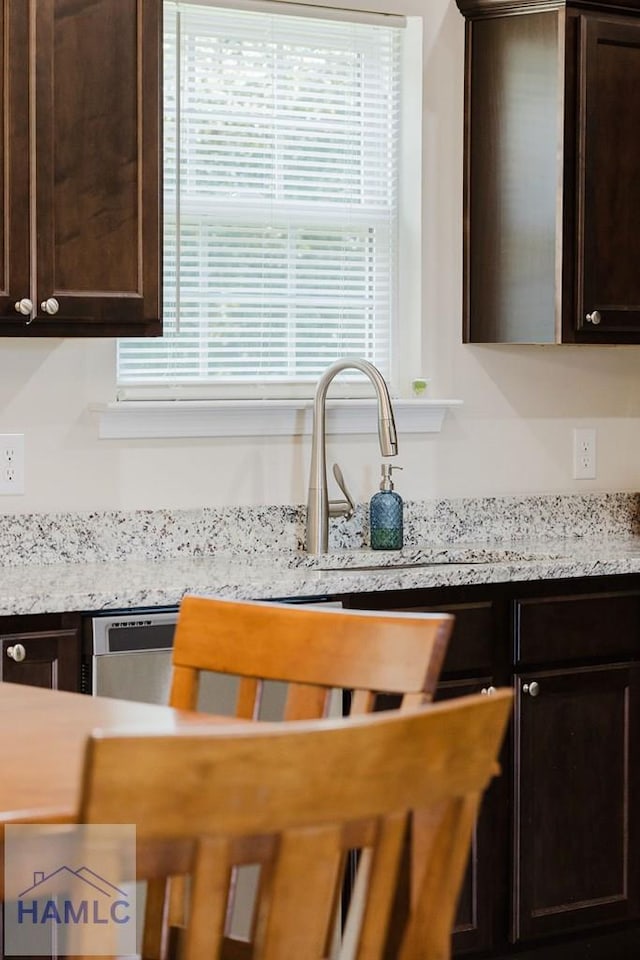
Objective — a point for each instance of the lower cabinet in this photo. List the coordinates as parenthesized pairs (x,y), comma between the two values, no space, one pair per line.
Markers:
(555,861)
(574,748)
(41,650)
(554,867)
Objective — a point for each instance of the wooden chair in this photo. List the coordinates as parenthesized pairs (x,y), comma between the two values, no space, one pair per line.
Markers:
(294,798)
(312,649)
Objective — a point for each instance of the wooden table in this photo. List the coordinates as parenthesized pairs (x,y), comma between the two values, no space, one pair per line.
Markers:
(42,740)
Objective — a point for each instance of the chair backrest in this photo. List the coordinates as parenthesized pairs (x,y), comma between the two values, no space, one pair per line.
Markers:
(294,798)
(313,649)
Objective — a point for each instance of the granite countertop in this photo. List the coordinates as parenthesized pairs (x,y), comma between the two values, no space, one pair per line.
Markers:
(115,559)
(134,583)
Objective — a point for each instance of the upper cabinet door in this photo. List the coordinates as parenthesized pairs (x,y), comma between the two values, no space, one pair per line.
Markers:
(95,155)
(15,283)
(552,192)
(608,210)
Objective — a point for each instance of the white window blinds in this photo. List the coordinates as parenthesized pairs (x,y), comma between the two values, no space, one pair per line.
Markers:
(280,200)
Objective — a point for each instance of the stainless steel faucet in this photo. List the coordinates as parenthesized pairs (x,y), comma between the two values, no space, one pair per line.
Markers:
(319,507)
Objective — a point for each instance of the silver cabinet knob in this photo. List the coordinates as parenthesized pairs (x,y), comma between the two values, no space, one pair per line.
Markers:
(50,306)
(17,653)
(533,688)
(24,306)
(488,691)
(594,318)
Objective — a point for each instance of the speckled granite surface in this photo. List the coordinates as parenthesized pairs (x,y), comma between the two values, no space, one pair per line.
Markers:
(102,537)
(114,560)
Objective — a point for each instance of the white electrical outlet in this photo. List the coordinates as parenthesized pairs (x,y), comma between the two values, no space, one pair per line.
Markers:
(11,464)
(584,453)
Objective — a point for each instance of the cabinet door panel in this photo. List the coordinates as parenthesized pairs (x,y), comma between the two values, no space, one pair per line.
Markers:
(97,166)
(15,281)
(51,659)
(608,192)
(512,96)
(573,743)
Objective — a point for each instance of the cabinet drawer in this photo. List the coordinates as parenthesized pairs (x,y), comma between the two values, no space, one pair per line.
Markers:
(586,626)
(470,647)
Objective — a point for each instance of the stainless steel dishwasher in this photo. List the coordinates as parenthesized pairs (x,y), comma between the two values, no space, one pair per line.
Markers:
(128,655)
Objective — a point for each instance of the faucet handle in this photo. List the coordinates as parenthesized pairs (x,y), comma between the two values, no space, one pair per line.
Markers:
(339,508)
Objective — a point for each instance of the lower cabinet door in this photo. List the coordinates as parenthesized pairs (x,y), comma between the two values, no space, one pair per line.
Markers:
(574,799)
(474,928)
(42,658)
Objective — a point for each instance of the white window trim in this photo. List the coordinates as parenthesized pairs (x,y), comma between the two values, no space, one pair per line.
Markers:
(248,418)
(180,416)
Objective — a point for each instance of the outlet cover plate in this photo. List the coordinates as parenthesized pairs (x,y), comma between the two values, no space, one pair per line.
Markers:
(584,453)
(11,464)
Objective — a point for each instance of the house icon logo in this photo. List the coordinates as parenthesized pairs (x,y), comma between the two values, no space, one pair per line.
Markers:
(67,897)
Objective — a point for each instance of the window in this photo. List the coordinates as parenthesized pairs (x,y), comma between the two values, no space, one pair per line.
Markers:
(281,142)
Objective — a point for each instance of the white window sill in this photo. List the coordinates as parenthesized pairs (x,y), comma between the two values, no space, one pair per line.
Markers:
(134,419)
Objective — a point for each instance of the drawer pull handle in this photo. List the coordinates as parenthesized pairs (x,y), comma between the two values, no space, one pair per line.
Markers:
(533,688)
(488,691)
(594,318)
(17,653)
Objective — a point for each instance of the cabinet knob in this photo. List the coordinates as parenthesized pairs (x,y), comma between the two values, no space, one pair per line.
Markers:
(594,318)
(17,653)
(533,688)
(50,306)
(24,306)
(488,691)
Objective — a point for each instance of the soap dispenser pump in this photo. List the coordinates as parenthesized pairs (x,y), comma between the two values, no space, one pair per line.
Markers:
(385,514)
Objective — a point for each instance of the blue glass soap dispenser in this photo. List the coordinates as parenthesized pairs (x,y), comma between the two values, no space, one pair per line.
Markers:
(385,514)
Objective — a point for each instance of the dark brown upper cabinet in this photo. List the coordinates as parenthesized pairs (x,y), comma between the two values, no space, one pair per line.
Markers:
(80,236)
(552,153)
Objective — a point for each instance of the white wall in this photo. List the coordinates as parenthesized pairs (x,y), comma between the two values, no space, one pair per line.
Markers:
(512,435)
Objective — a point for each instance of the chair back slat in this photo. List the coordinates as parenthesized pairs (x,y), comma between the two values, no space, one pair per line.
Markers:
(306,702)
(208,898)
(298,901)
(294,797)
(184,687)
(435,899)
(248,700)
(362,701)
(377,873)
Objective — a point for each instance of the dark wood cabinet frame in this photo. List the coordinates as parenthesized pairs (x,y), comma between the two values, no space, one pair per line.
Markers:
(555,867)
(80,168)
(552,148)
